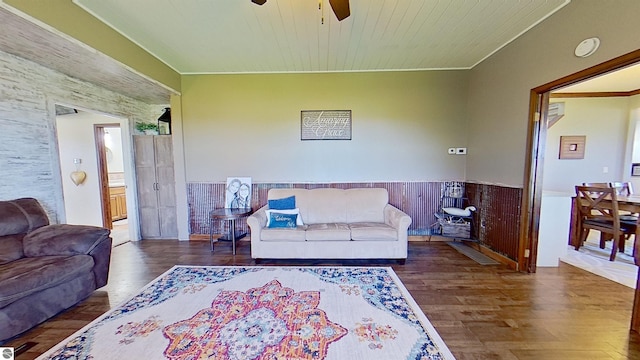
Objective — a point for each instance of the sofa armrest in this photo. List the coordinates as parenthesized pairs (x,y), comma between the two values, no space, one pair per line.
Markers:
(101,254)
(64,239)
(397,219)
(257,221)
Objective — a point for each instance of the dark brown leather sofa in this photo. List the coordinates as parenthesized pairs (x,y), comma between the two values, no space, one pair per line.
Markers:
(45,269)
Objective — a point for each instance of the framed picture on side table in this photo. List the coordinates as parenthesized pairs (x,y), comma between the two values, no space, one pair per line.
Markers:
(238,193)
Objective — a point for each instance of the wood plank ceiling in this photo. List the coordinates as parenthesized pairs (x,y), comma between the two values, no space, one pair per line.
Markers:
(237,36)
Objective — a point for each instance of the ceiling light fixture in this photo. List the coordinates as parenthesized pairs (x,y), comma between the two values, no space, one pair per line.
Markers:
(587,47)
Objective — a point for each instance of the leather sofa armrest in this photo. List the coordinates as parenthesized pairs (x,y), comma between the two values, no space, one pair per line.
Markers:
(257,221)
(64,239)
(101,254)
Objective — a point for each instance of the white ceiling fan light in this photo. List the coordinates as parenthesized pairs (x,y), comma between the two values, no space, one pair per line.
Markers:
(587,47)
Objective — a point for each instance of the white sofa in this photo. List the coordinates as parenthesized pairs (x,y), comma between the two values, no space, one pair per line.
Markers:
(355,223)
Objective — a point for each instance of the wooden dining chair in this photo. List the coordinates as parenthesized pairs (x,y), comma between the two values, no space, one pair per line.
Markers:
(625,188)
(622,188)
(598,210)
(604,237)
(597,184)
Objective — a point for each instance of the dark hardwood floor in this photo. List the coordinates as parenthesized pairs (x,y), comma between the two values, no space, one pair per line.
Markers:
(481,312)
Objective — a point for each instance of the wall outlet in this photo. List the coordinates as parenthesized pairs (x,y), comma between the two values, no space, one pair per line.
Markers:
(451,151)
(461,151)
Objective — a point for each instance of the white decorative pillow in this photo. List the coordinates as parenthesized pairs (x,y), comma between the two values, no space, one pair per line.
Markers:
(291,211)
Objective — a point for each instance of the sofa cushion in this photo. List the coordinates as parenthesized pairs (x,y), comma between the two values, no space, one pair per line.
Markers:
(26,276)
(11,248)
(366,204)
(21,216)
(276,234)
(330,231)
(63,239)
(372,231)
(323,206)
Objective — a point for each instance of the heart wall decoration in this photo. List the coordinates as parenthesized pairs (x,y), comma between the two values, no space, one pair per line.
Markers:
(78,177)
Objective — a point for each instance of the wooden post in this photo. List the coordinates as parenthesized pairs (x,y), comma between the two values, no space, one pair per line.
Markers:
(574,235)
(635,313)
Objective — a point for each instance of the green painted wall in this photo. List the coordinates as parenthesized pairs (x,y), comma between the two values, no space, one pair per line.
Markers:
(500,86)
(249,125)
(72,20)
(402,122)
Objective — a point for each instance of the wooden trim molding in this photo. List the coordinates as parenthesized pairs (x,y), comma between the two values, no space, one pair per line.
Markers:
(103,175)
(594,94)
(588,73)
(536,139)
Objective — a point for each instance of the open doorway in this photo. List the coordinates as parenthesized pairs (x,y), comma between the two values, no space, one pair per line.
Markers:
(111,173)
(96,145)
(604,120)
(538,125)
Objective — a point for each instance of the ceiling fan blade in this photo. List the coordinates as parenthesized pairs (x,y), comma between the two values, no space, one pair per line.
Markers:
(259,2)
(340,8)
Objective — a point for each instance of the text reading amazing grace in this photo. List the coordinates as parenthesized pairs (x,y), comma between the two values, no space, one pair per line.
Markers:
(325,124)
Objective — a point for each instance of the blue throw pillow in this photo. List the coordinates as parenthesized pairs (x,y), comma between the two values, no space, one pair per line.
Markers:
(283,204)
(280,220)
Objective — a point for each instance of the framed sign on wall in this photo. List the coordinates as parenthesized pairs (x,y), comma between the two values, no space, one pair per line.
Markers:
(572,147)
(325,125)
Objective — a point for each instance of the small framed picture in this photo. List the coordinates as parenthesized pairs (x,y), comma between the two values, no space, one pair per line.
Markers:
(572,147)
(635,169)
(238,193)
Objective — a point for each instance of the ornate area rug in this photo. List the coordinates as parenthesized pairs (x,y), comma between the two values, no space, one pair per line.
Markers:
(270,313)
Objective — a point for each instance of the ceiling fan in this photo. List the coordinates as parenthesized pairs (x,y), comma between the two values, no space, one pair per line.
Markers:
(340,7)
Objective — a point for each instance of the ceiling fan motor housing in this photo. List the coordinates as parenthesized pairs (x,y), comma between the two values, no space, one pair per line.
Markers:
(340,7)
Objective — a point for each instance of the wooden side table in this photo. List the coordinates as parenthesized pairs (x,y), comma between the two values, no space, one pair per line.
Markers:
(230,215)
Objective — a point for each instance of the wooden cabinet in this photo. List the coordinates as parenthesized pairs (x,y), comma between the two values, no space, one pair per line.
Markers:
(118,203)
(156,186)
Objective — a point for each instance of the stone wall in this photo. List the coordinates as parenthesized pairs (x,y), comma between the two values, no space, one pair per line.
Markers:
(29,165)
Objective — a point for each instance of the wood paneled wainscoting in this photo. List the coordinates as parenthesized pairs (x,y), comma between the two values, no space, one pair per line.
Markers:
(495,223)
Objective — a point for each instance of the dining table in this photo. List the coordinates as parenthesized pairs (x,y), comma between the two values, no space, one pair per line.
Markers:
(629,204)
